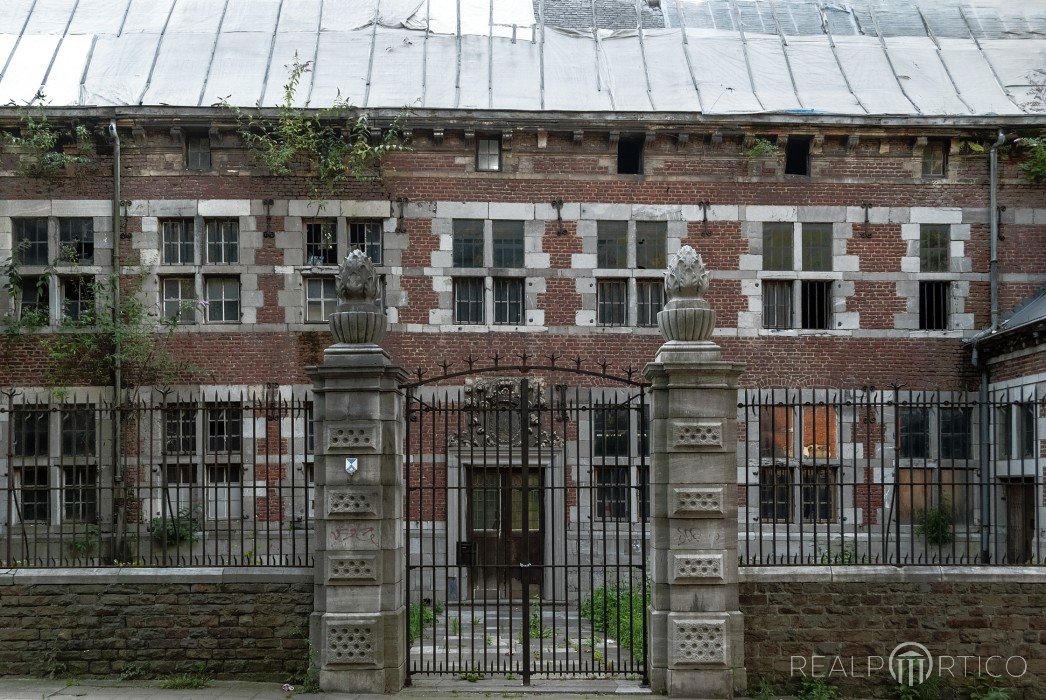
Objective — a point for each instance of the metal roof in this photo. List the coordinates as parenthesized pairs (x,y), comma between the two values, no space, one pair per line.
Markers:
(715,57)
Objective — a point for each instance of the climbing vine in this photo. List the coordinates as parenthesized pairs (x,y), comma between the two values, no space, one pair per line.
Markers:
(41,143)
(333,144)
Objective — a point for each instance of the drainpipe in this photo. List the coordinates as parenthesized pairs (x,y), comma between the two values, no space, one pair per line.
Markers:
(117,350)
(993,212)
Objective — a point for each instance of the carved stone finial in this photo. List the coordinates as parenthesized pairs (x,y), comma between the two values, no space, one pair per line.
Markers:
(687,316)
(359,318)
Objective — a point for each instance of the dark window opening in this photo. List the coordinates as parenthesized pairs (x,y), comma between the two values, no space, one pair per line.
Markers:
(651,300)
(508,243)
(468,300)
(76,240)
(30,241)
(30,433)
(198,151)
(468,243)
(321,243)
(933,305)
(366,236)
(955,433)
(797,155)
(611,244)
(816,305)
(777,305)
(914,439)
(935,158)
(77,299)
(611,302)
(630,155)
(508,301)
(817,494)
(775,494)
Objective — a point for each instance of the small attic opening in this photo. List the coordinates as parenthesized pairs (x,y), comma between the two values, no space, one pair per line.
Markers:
(630,155)
(797,155)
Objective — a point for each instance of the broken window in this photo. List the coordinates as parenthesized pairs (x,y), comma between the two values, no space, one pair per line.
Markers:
(934,298)
(321,242)
(650,245)
(816,304)
(935,158)
(630,155)
(797,155)
(366,236)
(77,299)
(30,241)
(76,240)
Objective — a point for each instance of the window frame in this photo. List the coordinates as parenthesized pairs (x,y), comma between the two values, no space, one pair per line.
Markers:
(229,249)
(796,159)
(199,163)
(929,169)
(366,235)
(323,301)
(483,162)
(20,243)
(81,249)
(227,283)
(508,243)
(321,241)
(648,303)
(468,244)
(508,304)
(472,304)
(935,318)
(183,242)
(605,306)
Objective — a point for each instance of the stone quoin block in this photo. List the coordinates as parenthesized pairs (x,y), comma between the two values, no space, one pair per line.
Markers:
(351,436)
(353,501)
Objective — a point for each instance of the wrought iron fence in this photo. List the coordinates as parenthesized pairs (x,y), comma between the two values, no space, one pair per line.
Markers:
(895,476)
(181,478)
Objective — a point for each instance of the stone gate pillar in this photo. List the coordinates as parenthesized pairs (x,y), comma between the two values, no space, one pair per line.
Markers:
(696,630)
(357,628)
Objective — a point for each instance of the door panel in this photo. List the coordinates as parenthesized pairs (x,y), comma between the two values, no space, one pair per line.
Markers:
(496,527)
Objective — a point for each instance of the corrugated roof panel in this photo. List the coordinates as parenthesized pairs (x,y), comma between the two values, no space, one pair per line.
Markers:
(181,68)
(346,16)
(974,77)
(570,74)
(722,75)
(870,75)
(799,18)
(63,82)
(253,15)
(98,16)
(475,73)
(923,76)
(286,45)
(1016,62)
(440,72)
(50,17)
(341,67)
(669,77)
(27,67)
(300,16)
(147,15)
(773,83)
(12,19)
(238,68)
(517,78)
(119,68)
(818,79)
(625,80)
(196,16)
(396,79)
(7,44)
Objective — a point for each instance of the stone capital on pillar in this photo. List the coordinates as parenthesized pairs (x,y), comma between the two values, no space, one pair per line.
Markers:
(696,627)
(358,624)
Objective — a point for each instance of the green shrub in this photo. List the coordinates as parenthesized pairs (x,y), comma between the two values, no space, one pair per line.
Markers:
(935,525)
(420,616)
(1034,166)
(181,528)
(762,148)
(619,613)
(817,689)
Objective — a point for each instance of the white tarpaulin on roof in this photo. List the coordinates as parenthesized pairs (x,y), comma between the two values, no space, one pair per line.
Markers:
(495,54)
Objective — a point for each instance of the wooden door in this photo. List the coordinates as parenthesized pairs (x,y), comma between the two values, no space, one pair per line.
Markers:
(1020,521)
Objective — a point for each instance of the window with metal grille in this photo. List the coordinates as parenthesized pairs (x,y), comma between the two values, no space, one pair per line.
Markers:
(321,299)
(468,243)
(610,431)
(33,300)
(650,244)
(310,430)
(224,429)
(816,301)
(651,299)
(35,490)
(643,475)
(178,497)
(198,151)
(612,302)
(777,304)
(913,440)
(30,432)
(179,299)
(468,300)
(817,494)
(611,244)
(366,236)
(77,299)
(775,494)
(179,430)
(78,432)
(29,241)
(1004,432)
(223,241)
(508,243)
(488,154)
(934,244)
(224,495)
(177,236)
(321,242)
(934,298)
(935,158)
(223,299)
(778,251)
(776,425)
(612,492)
(817,247)
(955,433)
(76,240)
(508,301)
(797,155)
(1026,430)
(630,155)
(80,493)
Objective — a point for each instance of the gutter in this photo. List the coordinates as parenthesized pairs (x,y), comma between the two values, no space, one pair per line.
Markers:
(993,260)
(117,349)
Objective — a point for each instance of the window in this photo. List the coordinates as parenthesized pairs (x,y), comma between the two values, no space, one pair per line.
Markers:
(80,493)
(612,302)
(321,242)
(77,299)
(198,151)
(468,300)
(30,241)
(777,304)
(913,442)
(179,299)
(1004,432)
(321,299)
(366,236)
(223,299)
(775,494)
(818,434)
(817,494)
(650,244)
(224,429)
(223,491)
(1026,430)
(78,432)
(223,241)
(651,300)
(775,432)
(611,244)
(817,247)
(813,297)
(612,492)
(630,155)
(178,496)
(34,298)
(76,240)
(508,301)
(777,246)
(177,236)
(934,242)
(935,158)
(955,433)
(816,299)
(30,432)
(179,430)
(508,243)
(797,155)
(488,154)
(934,298)
(610,432)
(36,494)
(468,243)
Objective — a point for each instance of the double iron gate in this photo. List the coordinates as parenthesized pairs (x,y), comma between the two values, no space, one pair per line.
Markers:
(527,504)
